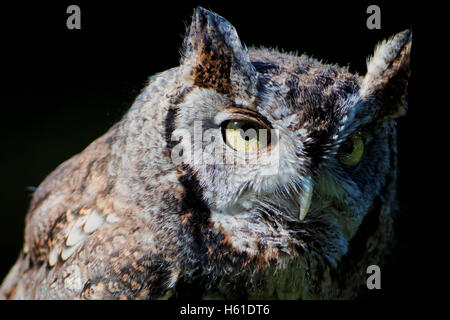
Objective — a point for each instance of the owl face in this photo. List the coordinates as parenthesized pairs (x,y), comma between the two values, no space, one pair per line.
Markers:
(278,139)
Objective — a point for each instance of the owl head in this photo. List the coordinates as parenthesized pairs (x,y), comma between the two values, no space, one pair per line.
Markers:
(282,144)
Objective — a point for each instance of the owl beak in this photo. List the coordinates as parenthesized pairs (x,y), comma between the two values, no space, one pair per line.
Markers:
(306,196)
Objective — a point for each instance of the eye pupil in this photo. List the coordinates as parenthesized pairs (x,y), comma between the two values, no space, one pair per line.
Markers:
(351,151)
(248,132)
(347,146)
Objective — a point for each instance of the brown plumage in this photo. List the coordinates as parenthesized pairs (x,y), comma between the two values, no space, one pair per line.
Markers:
(125,220)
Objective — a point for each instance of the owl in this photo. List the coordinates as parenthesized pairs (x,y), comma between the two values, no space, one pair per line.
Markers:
(240,174)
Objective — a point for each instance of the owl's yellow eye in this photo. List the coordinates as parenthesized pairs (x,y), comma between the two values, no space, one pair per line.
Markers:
(244,135)
(351,151)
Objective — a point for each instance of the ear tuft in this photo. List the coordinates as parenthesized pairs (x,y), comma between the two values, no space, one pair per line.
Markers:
(213,54)
(387,76)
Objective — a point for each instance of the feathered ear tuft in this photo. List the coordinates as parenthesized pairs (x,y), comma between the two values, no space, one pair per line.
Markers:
(214,56)
(388,72)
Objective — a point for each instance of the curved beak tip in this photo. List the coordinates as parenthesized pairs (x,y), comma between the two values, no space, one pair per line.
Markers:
(305,198)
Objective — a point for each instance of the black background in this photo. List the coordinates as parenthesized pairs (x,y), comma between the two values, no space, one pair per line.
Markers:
(64,88)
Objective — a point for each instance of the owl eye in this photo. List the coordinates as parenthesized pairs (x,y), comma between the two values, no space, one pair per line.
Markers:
(351,150)
(244,135)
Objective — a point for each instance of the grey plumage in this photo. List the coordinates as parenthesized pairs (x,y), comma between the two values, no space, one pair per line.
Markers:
(131,218)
